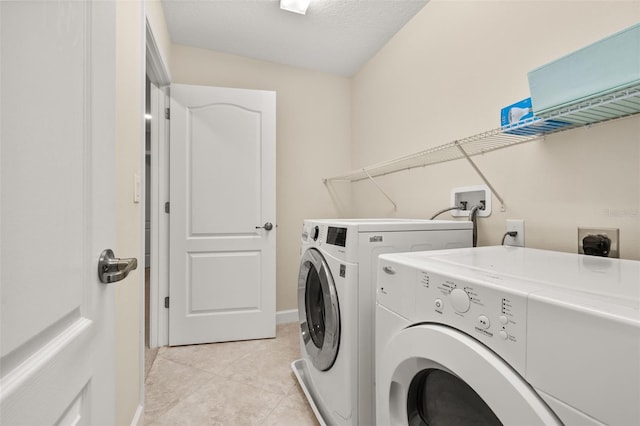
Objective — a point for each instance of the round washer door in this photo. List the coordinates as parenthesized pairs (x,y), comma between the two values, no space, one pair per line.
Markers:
(432,374)
(318,310)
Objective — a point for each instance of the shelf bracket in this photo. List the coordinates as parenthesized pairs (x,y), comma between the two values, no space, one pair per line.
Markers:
(335,197)
(395,207)
(503,208)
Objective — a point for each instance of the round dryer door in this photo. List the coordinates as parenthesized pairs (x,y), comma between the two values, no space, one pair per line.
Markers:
(318,310)
(436,396)
(431,374)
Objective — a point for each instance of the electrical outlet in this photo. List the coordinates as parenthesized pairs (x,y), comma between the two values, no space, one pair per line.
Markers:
(518,226)
(611,233)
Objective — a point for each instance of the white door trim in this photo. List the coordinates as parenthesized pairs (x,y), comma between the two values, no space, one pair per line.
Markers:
(158,73)
(159,277)
(157,68)
(139,181)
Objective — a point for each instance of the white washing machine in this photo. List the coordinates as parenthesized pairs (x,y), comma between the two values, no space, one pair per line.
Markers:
(336,299)
(507,335)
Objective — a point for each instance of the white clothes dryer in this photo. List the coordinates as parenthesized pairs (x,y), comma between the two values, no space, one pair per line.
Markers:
(336,299)
(507,335)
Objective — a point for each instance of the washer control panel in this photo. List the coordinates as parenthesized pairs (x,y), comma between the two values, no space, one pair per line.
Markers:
(335,240)
(485,309)
(311,232)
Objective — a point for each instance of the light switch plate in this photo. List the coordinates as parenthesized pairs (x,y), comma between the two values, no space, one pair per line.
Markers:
(136,188)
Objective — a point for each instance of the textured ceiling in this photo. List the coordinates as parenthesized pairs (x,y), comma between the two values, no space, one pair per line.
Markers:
(335,36)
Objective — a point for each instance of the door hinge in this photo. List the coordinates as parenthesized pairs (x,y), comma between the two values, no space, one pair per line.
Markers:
(166,302)
(167,114)
(166,207)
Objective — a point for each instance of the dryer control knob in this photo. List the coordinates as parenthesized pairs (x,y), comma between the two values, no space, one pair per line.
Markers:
(459,300)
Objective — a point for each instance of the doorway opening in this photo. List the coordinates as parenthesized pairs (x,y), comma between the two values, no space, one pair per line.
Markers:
(149,353)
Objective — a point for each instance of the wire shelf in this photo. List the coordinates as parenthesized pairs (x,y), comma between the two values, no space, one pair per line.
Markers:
(611,106)
(602,108)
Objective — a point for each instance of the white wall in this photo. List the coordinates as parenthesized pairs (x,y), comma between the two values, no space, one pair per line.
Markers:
(313,140)
(446,75)
(129,140)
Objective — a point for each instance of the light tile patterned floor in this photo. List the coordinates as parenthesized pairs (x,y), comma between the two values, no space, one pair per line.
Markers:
(235,383)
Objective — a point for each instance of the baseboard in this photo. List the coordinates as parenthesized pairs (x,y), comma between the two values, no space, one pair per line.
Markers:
(138,418)
(283,317)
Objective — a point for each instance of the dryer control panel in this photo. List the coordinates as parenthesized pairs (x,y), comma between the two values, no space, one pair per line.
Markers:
(485,309)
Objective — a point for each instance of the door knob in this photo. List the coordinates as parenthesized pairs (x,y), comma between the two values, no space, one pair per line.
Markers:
(268,226)
(112,269)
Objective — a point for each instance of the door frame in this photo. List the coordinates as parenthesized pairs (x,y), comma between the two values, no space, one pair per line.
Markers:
(158,73)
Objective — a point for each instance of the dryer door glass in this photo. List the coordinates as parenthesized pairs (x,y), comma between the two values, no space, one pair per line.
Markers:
(437,397)
(314,303)
(318,310)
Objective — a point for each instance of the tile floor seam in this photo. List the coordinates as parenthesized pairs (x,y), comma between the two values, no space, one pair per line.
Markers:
(253,386)
(215,373)
(146,379)
(219,376)
(186,364)
(279,388)
(239,380)
(284,397)
(224,366)
(191,391)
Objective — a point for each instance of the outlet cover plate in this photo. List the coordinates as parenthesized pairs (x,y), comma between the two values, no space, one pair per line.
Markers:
(518,226)
(612,233)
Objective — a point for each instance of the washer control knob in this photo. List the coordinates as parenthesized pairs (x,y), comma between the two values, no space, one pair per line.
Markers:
(503,335)
(483,322)
(438,304)
(503,319)
(459,300)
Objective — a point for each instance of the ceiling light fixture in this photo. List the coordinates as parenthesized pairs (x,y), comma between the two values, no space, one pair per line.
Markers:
(296,6)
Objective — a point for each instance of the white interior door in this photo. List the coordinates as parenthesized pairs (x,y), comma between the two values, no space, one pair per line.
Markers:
(57,212)
(222,189)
